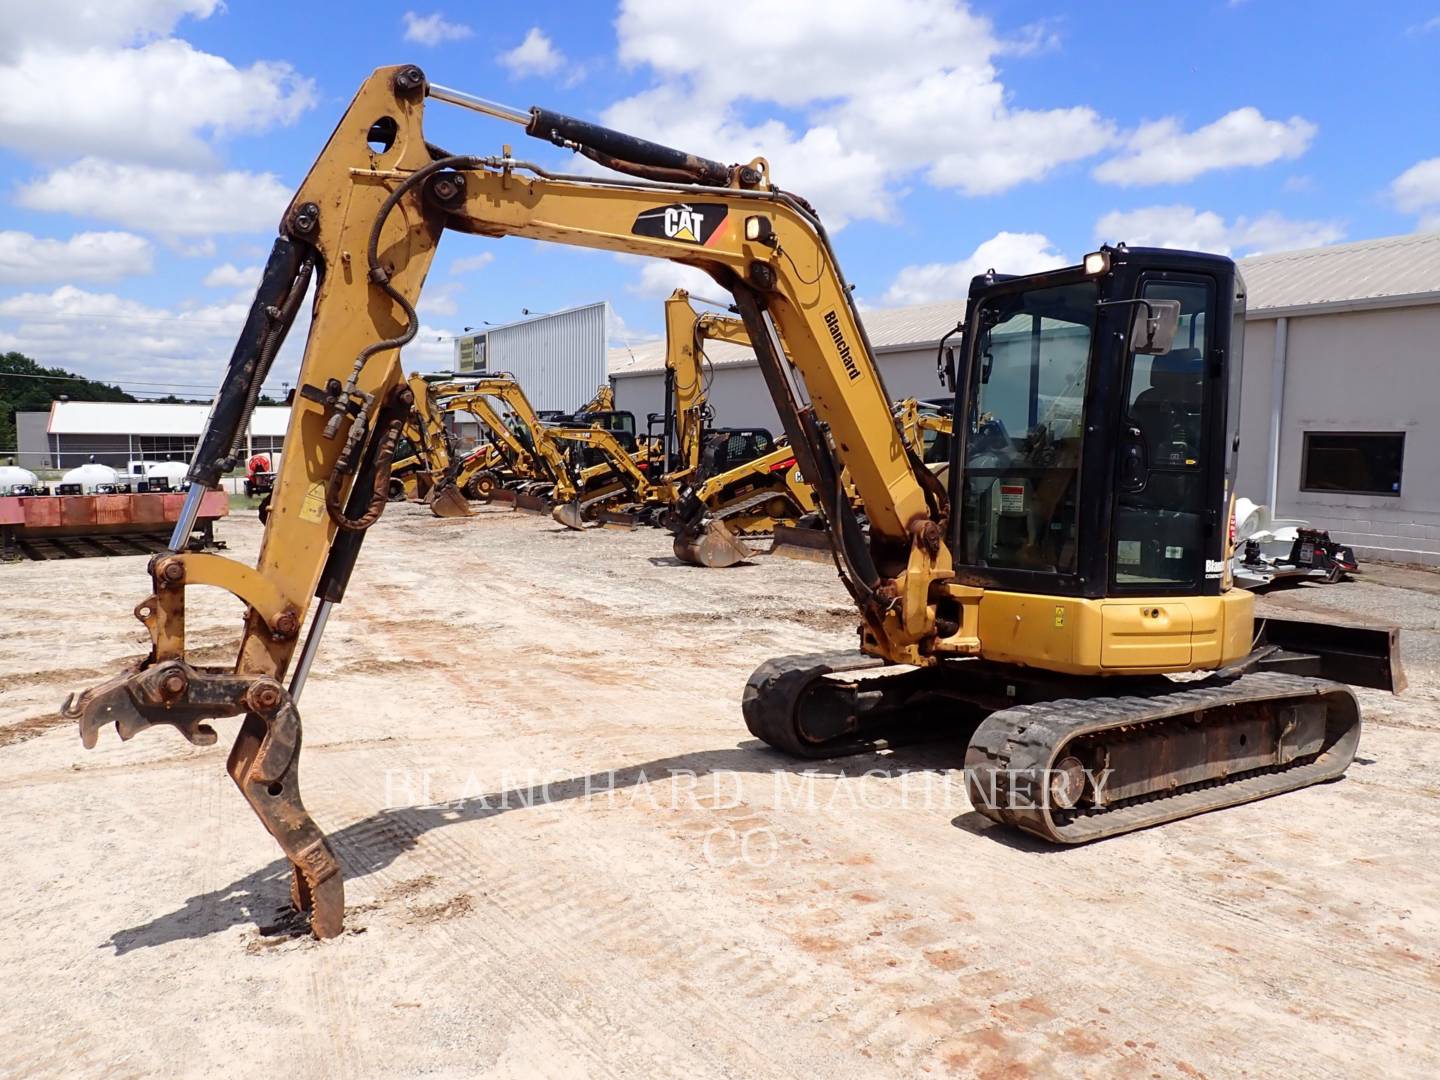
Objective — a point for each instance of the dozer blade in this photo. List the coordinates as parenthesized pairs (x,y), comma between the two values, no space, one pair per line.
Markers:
(569,515)
(448,502)
(531,503)
(1071,771)
(795,542)
(714,546)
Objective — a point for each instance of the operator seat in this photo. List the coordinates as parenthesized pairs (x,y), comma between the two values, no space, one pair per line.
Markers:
(1168,412)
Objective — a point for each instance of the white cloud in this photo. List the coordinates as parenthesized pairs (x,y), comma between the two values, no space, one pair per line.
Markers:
(884,93)
(468,264)
(1161,152)
(87,256)
(660,277)
(1005,253)
(168,202)
(1417,190)
(155,103)
(1188,229)
(439,299)
(625,336)
(107,336)
(536,55)
(80,23)
(1430,25)
(230,276)
(433,29)
(1041,36)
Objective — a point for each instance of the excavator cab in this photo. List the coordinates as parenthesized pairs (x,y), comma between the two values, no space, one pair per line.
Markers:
(1093,461)
(726,448)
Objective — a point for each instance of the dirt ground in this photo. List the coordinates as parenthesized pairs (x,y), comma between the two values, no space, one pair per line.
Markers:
(565,857)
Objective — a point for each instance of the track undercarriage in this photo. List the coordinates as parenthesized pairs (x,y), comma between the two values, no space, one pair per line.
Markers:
(1072,759)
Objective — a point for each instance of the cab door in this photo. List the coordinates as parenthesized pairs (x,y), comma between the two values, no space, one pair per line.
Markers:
(1163,518)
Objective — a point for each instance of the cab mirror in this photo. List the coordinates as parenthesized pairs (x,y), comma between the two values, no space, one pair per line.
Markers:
(1153,331)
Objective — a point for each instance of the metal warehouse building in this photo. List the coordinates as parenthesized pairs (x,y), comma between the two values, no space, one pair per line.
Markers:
(558,358)
(905,340)
(117,433)
(1342,381)
(1341,385)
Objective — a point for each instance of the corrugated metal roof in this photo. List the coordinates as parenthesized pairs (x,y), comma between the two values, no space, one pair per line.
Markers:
(1371,273)
(150,418)
(890,330)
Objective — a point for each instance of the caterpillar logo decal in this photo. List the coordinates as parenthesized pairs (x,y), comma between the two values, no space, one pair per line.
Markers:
(694,223)
(832,322)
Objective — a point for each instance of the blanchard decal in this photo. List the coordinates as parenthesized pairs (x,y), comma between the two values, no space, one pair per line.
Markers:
(846,357)
(694,223)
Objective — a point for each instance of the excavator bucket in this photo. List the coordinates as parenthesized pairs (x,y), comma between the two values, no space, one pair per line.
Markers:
(569,515)
(714,546)
(448,502)
(798,542)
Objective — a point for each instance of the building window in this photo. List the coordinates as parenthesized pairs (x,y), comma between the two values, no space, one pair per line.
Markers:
(160,447)
(1353,462)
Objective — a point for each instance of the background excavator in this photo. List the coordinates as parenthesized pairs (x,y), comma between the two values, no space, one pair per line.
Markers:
(425,464)
(1008,605)
(654,482)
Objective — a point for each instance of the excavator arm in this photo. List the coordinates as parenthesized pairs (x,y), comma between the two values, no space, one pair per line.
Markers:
(432,465)
(686,332)
(603,401)
(367,219)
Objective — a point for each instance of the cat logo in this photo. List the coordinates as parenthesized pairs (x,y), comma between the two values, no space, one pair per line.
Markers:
(691,223)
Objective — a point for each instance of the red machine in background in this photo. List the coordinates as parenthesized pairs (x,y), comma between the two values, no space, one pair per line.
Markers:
(259,476)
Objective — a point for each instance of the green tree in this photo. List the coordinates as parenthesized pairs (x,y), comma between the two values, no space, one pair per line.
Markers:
(26,386)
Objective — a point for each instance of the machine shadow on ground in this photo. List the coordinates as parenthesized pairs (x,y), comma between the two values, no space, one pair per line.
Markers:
(373,843)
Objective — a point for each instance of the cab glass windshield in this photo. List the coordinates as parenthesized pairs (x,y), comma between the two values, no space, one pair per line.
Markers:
(1027,420)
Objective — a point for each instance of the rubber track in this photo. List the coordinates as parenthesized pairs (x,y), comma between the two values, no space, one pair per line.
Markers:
(773,694)
(1022,742)
(725,513)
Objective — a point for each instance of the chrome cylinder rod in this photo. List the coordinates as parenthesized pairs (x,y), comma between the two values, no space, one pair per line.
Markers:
(312,646)
(185,524)
(479,104)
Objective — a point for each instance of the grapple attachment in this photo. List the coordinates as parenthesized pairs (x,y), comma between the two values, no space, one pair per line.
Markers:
(264,762)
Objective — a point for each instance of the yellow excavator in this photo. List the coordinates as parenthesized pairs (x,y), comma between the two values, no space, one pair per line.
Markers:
(766,497)
(1077,560)
(653,485)
(526,460)
(517,453)
(425,465)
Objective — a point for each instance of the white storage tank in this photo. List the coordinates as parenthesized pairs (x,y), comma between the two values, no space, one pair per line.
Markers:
(173,471)
(13,476)
(90,476)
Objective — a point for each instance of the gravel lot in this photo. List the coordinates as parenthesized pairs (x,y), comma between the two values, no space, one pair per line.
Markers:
(565,856)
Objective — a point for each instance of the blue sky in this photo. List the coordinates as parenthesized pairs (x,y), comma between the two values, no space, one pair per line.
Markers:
(148,147)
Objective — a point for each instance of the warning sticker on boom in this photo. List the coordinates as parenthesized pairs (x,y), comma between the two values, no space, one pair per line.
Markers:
(312,507)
